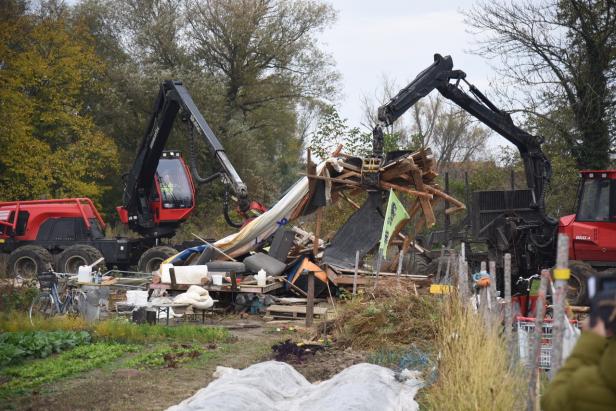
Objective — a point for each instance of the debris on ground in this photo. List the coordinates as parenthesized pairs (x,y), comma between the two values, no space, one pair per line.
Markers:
(277,386)
(291,351)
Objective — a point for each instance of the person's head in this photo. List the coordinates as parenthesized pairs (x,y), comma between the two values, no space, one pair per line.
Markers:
(603,307)
(166,178)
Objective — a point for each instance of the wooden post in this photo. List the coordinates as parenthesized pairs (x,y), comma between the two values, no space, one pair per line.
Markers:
(172,277)
(508,315)
(355,272)
(310,300)
(399,269)
(535,341)
(493,300)
(561,275)
(439,266)
(463,277)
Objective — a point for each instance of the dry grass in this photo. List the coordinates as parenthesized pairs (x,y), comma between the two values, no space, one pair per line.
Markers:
(16,321)
(393,317)
(474,368)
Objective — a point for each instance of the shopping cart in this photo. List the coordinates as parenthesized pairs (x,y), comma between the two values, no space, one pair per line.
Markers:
(525,327)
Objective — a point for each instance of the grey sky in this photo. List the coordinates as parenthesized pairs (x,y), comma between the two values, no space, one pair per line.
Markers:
(397,39)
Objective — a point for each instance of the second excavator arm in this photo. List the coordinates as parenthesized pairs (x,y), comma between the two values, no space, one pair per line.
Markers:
(441,76)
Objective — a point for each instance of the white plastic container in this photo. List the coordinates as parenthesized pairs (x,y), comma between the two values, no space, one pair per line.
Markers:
(190,274)
(137,298)
(217,279)
(84,274)
(261,278)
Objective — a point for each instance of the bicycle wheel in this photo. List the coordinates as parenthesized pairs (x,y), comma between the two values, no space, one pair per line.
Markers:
(42,305)
(76,303)
(72,303)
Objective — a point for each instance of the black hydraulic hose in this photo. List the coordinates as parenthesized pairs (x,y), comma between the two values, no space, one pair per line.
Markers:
(193,159)
(225,210)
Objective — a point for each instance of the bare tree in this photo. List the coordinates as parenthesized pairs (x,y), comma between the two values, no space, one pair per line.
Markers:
(451,132)
(561,55)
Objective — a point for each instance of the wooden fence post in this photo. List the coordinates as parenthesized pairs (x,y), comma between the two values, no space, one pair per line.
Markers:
(535,341)
(561,277)
(310,300)
(508,314)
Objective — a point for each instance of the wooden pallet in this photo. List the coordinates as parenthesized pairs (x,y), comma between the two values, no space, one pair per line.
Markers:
(294,311)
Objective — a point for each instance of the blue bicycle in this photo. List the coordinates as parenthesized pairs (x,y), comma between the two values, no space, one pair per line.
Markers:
(56,296)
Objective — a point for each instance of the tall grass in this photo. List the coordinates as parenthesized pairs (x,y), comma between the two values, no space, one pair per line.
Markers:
(123,331)
(15,321)
(475,371)
(120,331)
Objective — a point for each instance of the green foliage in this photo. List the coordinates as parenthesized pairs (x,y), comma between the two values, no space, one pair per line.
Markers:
(168,356)
(125,332)
(17,298)
(14,347)
(37,372)
(51,146)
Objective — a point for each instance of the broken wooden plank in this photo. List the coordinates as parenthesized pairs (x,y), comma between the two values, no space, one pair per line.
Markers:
(297,309)
(386,185)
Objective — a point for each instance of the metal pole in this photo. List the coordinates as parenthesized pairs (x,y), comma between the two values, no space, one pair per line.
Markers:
(561,277)
(355,273)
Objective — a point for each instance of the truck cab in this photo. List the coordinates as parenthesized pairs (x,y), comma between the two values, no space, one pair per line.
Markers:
(592,229)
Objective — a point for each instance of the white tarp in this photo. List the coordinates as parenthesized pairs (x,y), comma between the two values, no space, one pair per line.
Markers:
(277,386)
(263,226)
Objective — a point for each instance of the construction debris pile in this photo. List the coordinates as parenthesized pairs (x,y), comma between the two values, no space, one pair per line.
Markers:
(270,253)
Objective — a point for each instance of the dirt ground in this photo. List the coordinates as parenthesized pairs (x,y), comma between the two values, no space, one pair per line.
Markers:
(116,388)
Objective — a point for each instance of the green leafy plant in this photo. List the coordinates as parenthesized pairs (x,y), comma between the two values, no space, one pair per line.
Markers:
(169,356)
(37,372)
(14,347)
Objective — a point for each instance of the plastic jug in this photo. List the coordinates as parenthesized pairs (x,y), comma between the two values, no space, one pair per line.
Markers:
(261,278)
(84,275)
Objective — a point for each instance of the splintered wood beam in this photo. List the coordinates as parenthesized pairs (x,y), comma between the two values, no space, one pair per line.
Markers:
(386,185)
(425,203)
(337,151)
(397,170)
(349,174)
(334,180)
(353,203)
(458,205)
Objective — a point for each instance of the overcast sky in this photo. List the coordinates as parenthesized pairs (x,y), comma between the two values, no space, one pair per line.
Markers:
(397,39)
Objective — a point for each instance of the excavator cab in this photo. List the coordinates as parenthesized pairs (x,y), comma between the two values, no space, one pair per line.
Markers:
(172,198)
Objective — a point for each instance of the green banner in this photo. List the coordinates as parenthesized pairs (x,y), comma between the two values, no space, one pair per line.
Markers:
(395,216)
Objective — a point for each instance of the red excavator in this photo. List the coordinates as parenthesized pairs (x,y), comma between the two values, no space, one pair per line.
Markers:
(515,221)
(159,195)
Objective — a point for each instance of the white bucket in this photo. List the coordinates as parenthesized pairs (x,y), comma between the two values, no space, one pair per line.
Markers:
(261,278)
(217,279)
(84,275)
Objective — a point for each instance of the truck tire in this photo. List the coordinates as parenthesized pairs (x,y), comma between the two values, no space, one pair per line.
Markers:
(576,287)
(71,258)
(150,260)
(29,260)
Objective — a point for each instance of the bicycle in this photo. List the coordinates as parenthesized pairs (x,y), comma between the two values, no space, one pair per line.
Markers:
(53,300)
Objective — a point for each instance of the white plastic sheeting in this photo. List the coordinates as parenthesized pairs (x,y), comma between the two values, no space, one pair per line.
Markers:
(263,226)
(277,386)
